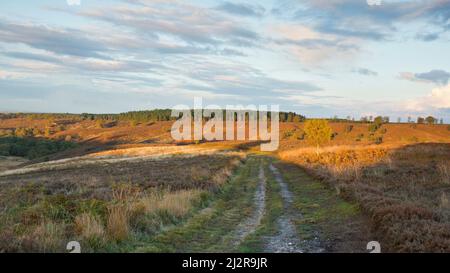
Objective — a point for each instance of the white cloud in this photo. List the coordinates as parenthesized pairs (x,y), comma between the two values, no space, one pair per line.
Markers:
(7,75)
(310,47)
(73,2)
(439,98)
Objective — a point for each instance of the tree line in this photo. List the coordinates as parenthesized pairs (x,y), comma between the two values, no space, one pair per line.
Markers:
(133,116)
(145,116)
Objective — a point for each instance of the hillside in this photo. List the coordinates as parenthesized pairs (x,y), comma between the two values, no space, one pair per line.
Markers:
(116,185)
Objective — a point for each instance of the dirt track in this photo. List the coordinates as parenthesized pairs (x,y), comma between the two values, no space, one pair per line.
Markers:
(251,223)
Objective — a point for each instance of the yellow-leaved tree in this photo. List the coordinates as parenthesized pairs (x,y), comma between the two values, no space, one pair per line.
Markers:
(318,132)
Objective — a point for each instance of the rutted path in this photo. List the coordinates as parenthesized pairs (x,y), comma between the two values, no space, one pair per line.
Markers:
(259,211)
(250,224)
(287,240)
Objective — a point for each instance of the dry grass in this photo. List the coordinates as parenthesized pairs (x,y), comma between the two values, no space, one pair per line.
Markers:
(392,134)
(117,225)
(445,204)
(46,237)
(338,156)
(97,173)
(404,189)
(198,173)
(222,175)
(89,227)
(444,171)
(131,204)
(82,201)
(10,162)
(174,203)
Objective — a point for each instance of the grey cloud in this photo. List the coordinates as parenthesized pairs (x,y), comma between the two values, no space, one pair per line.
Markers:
(369,33)
(92,65)
(365,72)
(318,43)
(245,81)
(196,50)
(194,27)
(355,18)
(231,52)
(436,76)
(242,9)
(427,37)
(31,56)
(65,42)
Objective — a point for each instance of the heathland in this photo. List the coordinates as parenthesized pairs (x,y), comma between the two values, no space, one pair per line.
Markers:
(119,183)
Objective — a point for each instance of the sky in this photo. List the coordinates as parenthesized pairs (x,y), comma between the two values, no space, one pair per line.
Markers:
(320,58)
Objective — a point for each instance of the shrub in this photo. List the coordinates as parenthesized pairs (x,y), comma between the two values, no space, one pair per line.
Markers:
(378,121)
(301,135)
(36,131)
(59,207)
(430,120)
(297,119)
(24,132)
(288,134)
(373,127)
(318,132)
(99,123)
(348,128)
(109,124)
(359,137)
(378,140)
(134,123)
(48,132)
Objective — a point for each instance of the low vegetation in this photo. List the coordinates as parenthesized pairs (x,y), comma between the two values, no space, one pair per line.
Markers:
(108,216)
(404,190)
(123,184)
(212,229)
(31,148)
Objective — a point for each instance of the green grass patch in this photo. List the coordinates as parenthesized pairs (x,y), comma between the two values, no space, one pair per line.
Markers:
(212,228)
(255,242)
(319,205)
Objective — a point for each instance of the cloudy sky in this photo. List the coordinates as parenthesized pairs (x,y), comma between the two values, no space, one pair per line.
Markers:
(317,57)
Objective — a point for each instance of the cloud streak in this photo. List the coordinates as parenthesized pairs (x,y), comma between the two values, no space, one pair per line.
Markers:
(439,77)
(357,19)
(365,72)
(59,41)
(242,9)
